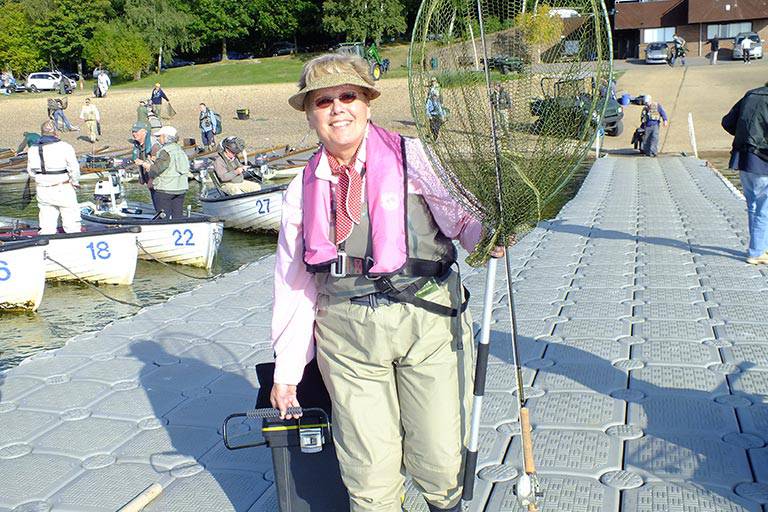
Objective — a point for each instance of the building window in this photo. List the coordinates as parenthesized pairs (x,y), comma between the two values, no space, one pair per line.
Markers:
(728,30)
(658,35)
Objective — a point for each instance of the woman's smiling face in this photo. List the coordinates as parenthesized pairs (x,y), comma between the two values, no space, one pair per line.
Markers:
(340,125)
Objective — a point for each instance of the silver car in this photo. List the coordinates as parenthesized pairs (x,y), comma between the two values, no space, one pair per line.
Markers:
(656,53)
(757,46)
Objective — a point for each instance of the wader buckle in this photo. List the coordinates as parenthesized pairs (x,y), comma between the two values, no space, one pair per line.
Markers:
(339,267)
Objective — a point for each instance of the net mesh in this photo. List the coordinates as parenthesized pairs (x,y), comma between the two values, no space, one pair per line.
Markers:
(508,96)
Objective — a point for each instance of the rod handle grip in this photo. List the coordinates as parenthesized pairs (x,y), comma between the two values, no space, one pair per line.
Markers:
(525,434)
(470,469)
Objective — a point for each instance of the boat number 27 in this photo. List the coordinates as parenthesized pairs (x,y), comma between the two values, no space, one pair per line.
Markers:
(99,250)
(183,237)
(5,272)
(263,206)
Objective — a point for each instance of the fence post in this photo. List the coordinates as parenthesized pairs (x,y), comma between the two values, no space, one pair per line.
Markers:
(692,135)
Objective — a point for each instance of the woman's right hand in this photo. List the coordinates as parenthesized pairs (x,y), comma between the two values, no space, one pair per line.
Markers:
(282,397)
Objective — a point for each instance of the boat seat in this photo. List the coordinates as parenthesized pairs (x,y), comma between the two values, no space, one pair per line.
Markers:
(216,182)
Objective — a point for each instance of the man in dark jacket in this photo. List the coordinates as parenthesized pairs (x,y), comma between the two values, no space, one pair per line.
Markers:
(748,123)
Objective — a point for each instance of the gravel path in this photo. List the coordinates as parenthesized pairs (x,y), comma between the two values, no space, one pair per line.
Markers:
(706,91)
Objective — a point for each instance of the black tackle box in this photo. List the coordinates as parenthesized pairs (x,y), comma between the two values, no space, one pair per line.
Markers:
(304,459)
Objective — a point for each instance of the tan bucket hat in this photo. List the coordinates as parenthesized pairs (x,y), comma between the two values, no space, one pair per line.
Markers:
(326,80)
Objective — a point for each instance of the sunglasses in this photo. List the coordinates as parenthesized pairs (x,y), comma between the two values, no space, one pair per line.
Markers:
(345,97)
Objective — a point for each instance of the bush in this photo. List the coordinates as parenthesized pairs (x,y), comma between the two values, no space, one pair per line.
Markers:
(121,50)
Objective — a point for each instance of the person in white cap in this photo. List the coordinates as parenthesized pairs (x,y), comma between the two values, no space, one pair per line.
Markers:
(169,173)
(53,165)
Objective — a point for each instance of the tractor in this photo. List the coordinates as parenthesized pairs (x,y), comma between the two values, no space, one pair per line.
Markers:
(376,64)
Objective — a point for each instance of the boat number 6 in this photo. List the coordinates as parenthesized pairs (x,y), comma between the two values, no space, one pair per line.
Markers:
(5,272)
(180,235)
(99,250)
(263,206)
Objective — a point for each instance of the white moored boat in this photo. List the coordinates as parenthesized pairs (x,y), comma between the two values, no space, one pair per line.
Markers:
(22,274)
(254,211)
(192,240)
(105,256)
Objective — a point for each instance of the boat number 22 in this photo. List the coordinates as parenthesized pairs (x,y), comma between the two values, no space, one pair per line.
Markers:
(99,250)
(183,237)
(5,272)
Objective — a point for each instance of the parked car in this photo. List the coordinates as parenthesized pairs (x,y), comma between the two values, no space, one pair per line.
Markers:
(177,63)
(757,46)
(239,55)
(656,53)
(46,81)
(282,48)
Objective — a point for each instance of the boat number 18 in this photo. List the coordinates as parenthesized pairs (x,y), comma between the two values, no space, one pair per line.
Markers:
(183,237)
(99,250)
(263,206)
(5,272)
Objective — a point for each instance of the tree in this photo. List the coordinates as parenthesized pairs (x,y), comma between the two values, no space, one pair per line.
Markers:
(62,27)
(363,19)
(282,20)
(221,20)
(18,51)
(164,25)
(119,49)
(539,28)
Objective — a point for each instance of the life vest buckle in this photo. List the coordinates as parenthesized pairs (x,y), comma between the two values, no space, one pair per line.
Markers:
(369,262)
(339,267)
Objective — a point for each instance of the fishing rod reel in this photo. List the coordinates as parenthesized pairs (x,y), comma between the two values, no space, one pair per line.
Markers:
(259,170)
(528,491)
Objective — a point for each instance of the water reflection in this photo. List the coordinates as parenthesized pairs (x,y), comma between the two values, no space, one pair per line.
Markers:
(69,309)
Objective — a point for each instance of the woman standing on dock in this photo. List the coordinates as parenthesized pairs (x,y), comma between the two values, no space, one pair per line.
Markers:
(364,273)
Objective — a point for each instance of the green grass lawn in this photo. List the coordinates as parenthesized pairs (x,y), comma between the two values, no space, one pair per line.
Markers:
(268,70)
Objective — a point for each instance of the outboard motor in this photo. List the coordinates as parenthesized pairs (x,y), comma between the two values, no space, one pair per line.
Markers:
(109,193)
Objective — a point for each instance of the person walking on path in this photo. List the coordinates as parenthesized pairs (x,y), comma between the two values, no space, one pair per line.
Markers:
(142,113)
(229,169)
(207,122)
(714,45)
(103,82)
(156,99)
(435,111)
(747,121)
(56,107)
(170,174)
(678,50)
(652,116)
(53,164)
(90,115)
(746,50)
(364,279)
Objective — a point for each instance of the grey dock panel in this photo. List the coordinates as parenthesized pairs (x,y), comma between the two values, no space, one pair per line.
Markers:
(643,335)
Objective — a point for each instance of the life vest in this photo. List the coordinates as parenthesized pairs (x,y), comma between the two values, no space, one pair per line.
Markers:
(42,141)
(397,244)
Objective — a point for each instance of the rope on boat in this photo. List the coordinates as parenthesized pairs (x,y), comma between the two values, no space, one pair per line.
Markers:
(95,288)
(206,278)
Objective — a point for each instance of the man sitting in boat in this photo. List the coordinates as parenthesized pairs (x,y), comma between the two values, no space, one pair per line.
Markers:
(229,169)
(145,149)
(170,174)
(53,165)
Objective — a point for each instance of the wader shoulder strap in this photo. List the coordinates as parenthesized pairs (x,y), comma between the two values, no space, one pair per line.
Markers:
(42,163)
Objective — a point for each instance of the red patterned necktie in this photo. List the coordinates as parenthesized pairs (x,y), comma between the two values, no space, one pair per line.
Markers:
(349,197)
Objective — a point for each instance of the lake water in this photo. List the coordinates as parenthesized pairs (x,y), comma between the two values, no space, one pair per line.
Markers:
(72,308)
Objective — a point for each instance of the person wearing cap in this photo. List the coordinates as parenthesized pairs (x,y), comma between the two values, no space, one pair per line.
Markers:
(53,164)
(364,281)
(229,169)
(91,116)
(653,114)
(145,149)
(169,173)
(156,99)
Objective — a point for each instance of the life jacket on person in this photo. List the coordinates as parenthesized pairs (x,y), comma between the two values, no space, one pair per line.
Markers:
(41,142)
(397,247)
